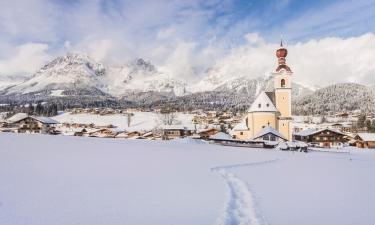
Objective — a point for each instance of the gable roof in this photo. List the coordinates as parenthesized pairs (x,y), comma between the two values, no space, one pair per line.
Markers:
(262,104)
(366,136)
(268,130)
(313,131)
(221,136)
(17,117)
(45,120)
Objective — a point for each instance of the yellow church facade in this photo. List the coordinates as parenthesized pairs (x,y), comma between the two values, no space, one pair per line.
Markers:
(269,117)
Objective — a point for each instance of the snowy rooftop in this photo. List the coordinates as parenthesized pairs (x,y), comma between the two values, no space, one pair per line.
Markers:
(240,126)
(268,130)
(312,131)
(174,127)
(262,104)
(17,117)
(367,136)
(45,120)
(221,136)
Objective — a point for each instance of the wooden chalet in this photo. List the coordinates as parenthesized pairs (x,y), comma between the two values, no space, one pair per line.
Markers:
(325,138)
(104,132)
(24,123)
(205,134)
(365,140)
(174,131)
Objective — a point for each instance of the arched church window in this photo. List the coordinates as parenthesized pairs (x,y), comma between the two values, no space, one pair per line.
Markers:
(282,82)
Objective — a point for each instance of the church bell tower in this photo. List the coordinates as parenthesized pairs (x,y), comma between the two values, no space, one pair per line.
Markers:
(283,92)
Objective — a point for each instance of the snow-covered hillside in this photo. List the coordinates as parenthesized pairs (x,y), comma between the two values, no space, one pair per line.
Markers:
(337,98)
(88,181)
(141,121)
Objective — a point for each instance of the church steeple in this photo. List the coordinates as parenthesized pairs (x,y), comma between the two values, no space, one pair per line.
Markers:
(281,54)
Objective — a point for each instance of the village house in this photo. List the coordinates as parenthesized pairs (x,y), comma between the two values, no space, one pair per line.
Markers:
(103,132)
(23,123)
(239,131)
(133,134)
(365,140)
(206,133)
(174,131)
(325,138)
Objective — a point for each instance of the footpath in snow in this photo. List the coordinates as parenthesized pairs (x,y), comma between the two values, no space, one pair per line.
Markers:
(241,208)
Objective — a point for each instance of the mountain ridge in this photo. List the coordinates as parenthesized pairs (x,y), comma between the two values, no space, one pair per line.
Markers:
(75,76)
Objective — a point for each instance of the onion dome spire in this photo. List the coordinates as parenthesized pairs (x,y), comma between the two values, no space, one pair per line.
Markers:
(281,54)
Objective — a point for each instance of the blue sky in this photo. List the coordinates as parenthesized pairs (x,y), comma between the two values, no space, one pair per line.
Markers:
(196,20)
(197,32)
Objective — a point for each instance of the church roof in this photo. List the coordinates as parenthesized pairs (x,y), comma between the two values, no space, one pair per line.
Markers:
(268,130)
(262,104)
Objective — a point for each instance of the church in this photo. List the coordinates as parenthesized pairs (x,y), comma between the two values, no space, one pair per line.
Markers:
(269,117)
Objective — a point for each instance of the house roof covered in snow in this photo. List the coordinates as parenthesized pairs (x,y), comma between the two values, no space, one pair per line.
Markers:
(366,136)
(45,120)
(313,131)
(268,130)
(174,127)
(241,126)
(221,136)
(21,116)
(262,104)
(17,117)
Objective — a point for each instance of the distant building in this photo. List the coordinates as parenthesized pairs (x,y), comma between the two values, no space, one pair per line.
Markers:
(103,132)
(175,131)
(24,123)
(274,108)
(325,138)
(240,131)
(365,140)
(206,133)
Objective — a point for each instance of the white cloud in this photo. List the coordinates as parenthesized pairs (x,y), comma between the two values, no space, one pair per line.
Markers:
(186,37)
(317,62)
(26,59)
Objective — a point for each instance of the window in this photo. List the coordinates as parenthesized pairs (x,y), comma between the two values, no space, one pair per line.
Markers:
(259,105)
(265,138)
(282,82)
(273,138)
(241,133)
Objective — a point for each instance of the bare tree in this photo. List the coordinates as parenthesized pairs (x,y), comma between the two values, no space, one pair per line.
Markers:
(129,118)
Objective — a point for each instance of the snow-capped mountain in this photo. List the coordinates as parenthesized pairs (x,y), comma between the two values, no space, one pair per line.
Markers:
(77,75)
(140,76)
(70,72)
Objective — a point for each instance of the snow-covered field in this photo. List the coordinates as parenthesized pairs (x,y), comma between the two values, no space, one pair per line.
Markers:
(60,180)
(141,121)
